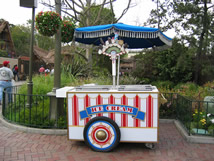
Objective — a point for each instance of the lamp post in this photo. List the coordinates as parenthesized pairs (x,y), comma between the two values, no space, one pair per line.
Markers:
(30,4)
(57,55)
(30,83)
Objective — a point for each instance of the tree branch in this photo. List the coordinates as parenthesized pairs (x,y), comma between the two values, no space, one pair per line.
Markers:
(99,13)
(124,11)
(112,10)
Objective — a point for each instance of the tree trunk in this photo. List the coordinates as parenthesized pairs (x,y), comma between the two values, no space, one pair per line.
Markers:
(200,51)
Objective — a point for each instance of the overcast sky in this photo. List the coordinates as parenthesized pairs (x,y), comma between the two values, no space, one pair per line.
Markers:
(11,11)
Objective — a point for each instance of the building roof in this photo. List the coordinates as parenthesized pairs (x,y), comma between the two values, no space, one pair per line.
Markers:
(44,55)
(5,28)
(48,56)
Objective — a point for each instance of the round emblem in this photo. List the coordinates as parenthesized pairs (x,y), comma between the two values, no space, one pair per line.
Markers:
(101,135)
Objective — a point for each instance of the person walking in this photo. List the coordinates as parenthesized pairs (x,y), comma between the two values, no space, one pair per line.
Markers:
(41,70)
(15,72)
(6,76)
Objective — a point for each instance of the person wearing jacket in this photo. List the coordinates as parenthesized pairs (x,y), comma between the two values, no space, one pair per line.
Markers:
(6,76)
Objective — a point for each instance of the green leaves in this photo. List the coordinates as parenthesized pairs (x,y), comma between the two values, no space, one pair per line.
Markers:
(67,30)
(47,23)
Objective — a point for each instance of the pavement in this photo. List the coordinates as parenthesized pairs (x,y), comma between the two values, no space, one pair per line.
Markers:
(20,146)
(16,145)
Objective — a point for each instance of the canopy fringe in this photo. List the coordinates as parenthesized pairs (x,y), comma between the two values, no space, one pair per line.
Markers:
(121,33)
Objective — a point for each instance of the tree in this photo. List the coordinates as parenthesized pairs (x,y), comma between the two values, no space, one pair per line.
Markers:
(107,16)
(165,65)
(193,22)
(90,13)
(83,8)
(21,39)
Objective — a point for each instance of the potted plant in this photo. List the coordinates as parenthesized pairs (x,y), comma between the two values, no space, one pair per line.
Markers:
(67,31)
(47,23)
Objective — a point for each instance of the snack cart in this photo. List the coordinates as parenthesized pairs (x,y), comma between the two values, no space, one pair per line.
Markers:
(104,115)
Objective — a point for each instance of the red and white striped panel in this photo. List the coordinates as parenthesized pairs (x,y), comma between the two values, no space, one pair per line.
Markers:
(147,103)
(86,104)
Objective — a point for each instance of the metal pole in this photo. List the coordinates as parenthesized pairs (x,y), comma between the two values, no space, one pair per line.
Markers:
(30,83)
(118,71)
(57,56)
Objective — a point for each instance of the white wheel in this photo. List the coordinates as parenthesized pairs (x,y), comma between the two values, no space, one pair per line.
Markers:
(101,134)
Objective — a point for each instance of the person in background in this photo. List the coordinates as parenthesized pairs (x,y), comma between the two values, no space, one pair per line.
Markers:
(6,76)
(15,72)
(41,70)
(47,71)
(52,71)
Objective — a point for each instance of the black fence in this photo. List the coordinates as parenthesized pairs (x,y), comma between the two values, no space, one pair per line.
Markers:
(197,117)
(32,110)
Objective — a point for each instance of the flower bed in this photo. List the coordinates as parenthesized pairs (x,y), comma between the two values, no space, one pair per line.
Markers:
(202,122)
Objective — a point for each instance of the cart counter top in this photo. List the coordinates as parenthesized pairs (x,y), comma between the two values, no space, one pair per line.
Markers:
(61,93)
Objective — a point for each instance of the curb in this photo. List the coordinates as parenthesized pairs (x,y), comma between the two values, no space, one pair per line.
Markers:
(193,138)
(30,129)
(189,138)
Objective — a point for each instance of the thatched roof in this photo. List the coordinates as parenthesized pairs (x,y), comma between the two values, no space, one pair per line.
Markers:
(5,29)
(43,55)
(48,57)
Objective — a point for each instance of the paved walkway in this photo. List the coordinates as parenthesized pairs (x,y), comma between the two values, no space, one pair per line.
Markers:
(20,146)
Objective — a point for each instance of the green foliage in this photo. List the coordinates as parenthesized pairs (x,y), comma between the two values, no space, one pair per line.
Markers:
(203,122)
(21,38)
(97,15)
(67,30)
(199,119)
(145,67)
(174,64)
(47,23)
(193,23)
(43,84)
(75,65)
(211,129)
(126,80)
(164,85)
(3,53)
(100,72)
(45,42)
(35,115)
(167,111)
(102,63)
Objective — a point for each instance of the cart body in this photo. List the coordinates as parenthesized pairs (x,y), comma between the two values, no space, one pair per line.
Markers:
(134,108)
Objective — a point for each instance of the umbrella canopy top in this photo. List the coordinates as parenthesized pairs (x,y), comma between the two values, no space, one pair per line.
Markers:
(134,36)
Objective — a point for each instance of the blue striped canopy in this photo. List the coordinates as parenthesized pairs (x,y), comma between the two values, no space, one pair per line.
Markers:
(134,36)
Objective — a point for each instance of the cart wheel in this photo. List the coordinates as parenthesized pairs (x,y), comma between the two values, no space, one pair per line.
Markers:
(101,134)
(150,145)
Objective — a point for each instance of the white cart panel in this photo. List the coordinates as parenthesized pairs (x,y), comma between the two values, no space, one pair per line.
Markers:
(136,113)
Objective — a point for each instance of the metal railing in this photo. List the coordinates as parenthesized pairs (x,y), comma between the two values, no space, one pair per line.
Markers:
(31,110)
(195,116)
(36,111)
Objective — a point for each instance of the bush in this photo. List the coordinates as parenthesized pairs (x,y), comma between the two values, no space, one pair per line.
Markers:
(3,53)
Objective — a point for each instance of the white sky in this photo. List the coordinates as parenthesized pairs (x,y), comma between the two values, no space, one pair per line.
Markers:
(11,11)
